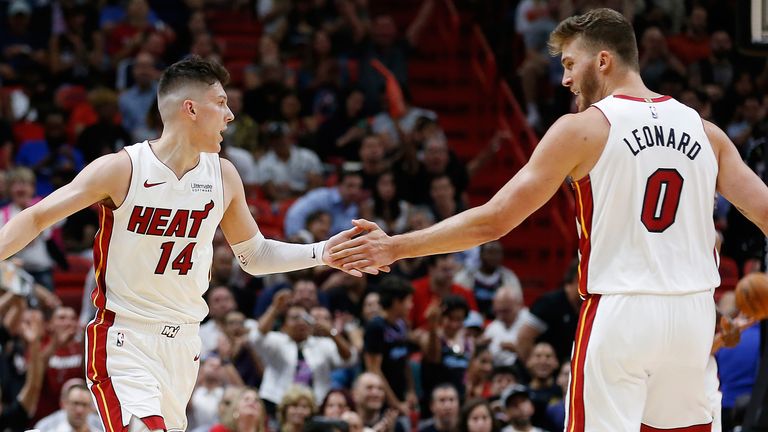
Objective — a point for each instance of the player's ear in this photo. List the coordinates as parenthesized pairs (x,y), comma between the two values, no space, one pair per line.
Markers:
(189,108)
(605,60)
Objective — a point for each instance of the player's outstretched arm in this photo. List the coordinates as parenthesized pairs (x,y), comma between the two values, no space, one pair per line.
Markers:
(736,181)
(105,178)
(564,150)
(258,255)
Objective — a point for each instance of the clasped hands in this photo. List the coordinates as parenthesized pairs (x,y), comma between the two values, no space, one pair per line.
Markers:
(364,248)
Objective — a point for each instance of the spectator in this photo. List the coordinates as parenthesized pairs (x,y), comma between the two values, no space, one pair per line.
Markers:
(390,129)
(105,136)
(385,207)
(35,258)
(485,280)
(386,346)
(353,420)
(477,416)
(442,197)
(318,228)
(719,67)
(341,202)
(243,413)
(519,410)
(125,39)
(478,381)
(17,408)
(295,355)
(503,332)
(136,101)
(287,171)
(77,54)
(444,405)
(21,47)
(446,348)
(369,393)
(556,408)
(77,413)
(339,137)
(262,103)
(372,160)
(693,44)
(553,318)
(296,407)
(656,59)
(336,403)
(737,371)
(302,126)
(208,394)
(236,350)
(435,286)
(542,366)
(221,301)
(63,355)
(501,378)
(243,131)
(54,159)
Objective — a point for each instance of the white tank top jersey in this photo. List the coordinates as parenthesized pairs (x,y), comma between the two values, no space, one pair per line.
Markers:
(644,212)
(153,253)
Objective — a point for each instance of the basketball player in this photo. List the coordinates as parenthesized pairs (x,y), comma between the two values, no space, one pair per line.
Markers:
(644,169)
(160,205)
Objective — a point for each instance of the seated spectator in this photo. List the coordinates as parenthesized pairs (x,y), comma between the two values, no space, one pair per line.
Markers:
(386,348)
(317,229)
(303,127)
(128,35)
(485,280)
(243,413)
(353,420)
(262,103)
(501,378)
(372,159)
(435,286)
(518,409)
(385,207)
(237,350)
(370,394)
(339,137)
(296,407)
(340,201)
(243,131)
(35,258)
(444,406)
(553,318)
(18,403)
(442,197)
(511,314)
(287,171)
(21,46)
(336,403)
(478,380)
(77,413)
(208,394)
(63,353)
(105,136)
(477,416)
(294,354)
(543,366)
(446,348)
(220,301)
(76,55)
(136,101)
(655,58)
(693,44)
(556,408)
(54,159)
(384,124)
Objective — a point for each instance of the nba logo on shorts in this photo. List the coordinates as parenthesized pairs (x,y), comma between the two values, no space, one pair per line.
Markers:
(120,339)
(170,331)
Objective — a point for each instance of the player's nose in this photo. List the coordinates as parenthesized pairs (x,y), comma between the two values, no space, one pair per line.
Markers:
(567,80)
(230,116)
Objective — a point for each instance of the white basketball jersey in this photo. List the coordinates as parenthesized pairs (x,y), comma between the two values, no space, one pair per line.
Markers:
(153,254)
(644,212)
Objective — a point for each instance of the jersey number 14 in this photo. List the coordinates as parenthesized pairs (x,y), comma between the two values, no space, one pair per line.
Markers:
(183,261)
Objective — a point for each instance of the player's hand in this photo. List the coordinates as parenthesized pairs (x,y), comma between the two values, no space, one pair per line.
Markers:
(341,239)
(369,251)
(32,327)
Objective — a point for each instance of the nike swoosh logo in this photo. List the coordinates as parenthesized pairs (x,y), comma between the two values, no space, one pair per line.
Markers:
(147,184)
(313,253)
(197,357)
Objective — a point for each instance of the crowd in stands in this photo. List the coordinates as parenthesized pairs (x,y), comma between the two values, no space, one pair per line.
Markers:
(325,131)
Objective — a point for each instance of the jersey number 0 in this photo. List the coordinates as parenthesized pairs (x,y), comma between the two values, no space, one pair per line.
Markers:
(661,200)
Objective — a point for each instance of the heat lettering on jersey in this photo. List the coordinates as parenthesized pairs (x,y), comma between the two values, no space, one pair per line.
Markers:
(656,137)
(158,221)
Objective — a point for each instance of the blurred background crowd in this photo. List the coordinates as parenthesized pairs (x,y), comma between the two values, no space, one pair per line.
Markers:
(347,109)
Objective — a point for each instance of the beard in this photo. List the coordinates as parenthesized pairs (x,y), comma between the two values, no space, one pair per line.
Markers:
(589,89)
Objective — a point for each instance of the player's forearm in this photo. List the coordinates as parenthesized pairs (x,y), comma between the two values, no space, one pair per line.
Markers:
(457,233)
(262,256)
(30,393)
(19,232)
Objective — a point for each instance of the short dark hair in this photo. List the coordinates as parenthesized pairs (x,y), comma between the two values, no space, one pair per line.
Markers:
(600,28)
(393,288)
(453,302)
(433,259)
(193,69)
(442,386)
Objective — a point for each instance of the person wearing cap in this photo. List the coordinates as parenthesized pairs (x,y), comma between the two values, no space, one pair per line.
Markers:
(20,45)
(518,409)
(287,171)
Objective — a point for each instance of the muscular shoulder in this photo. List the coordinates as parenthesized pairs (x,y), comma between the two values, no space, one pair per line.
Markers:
(717,137)
(578,140)
(112,174)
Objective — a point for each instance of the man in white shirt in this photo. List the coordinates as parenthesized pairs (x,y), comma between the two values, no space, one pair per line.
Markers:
(77,413)
(502,332)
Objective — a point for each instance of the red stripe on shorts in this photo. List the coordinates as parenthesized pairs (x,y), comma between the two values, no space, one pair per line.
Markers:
(107,402)
(695,428)
(576,418)
(154,422)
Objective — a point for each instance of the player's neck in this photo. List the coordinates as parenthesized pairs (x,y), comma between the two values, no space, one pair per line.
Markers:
(629,84)
(177,151)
